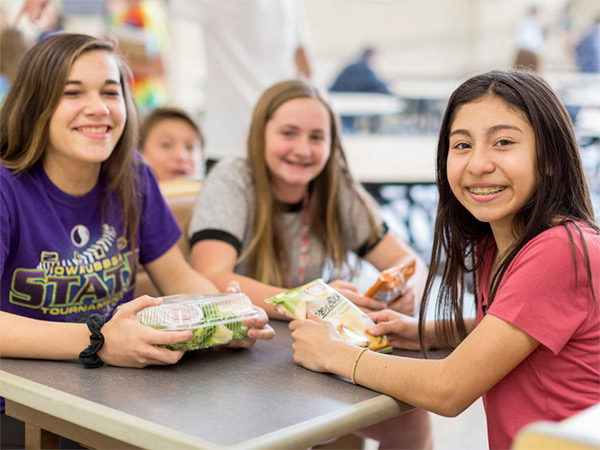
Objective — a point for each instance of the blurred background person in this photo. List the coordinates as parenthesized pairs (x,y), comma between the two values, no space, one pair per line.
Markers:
(249,45)
(529,40)
(13,47)
(172,142)
(587,50)
(359,76)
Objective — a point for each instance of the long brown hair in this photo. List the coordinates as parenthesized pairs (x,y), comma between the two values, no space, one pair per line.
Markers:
(561,193)
(266,244)
(32,100)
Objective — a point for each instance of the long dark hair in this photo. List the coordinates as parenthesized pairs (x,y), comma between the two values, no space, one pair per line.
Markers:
(32,100)
(561,193)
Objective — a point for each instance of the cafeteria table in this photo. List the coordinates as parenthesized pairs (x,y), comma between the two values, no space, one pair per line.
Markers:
(218,398)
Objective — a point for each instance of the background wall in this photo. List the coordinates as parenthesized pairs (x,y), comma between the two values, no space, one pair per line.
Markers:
(415,38)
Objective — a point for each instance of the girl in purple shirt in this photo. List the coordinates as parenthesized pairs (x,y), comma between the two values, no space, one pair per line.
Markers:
(78,210)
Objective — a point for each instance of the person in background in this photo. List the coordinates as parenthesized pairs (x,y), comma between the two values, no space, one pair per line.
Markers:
(291,212)
(172,144)
(514,210)
(13,47)
(249,45)
(359,76)
(587,50)
(529,40)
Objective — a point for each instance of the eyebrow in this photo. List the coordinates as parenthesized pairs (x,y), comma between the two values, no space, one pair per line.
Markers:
(490,131)
(109,82)
(294,127)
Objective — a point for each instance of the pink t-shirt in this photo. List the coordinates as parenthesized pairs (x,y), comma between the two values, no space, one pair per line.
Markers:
(541,295)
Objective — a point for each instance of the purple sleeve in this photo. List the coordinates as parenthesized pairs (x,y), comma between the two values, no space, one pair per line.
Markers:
(159,230)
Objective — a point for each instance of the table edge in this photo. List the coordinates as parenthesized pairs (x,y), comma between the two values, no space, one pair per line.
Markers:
(99,418)
(118,425)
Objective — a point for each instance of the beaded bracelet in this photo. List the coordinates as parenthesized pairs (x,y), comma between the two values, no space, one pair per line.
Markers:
(89,357)
(356,364)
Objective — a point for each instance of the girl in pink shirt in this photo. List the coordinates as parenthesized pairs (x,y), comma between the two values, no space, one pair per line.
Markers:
(514,214)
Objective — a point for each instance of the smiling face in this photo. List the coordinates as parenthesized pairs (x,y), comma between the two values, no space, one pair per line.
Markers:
(492,162)
(297,146)
(172,148)
(90,117)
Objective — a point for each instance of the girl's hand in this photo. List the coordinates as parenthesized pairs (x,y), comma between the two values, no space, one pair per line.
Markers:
(350,291)
(128,343)
(401,330)
(315,343)
(405,302)
(260,329)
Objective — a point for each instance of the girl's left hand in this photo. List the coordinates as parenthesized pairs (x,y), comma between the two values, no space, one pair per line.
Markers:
(351,292)
(259,329)
(405,302)
(259,326)
(315,341)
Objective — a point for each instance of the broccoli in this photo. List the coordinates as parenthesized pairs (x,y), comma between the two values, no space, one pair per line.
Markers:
(211,335)
(222,335)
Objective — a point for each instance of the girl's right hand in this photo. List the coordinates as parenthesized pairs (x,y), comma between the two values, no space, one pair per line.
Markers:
(128,343)
(401,330)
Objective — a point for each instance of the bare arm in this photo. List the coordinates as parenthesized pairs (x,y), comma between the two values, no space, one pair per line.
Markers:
(302,64)
(446,387)
(216,261)
(127,343)
(173,275)
(22,337)
(33,9)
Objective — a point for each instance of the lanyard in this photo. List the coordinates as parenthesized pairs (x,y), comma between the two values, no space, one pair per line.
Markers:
(303,248)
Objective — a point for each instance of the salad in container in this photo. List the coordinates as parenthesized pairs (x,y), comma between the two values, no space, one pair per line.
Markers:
(214,319)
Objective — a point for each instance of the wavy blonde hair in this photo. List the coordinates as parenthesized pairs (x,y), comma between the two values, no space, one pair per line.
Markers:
(267,244)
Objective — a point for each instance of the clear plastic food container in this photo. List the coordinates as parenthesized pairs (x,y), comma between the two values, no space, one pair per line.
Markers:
(215,319)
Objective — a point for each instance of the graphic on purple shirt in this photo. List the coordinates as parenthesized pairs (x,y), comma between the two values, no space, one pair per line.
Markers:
(61,259)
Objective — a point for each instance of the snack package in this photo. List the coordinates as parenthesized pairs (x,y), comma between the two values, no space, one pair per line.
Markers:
(215,319)
(391,281)
(328,304)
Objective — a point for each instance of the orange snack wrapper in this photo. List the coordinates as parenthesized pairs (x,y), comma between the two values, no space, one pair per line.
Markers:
(391,281)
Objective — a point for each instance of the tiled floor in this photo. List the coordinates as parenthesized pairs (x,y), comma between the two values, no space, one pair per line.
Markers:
(466,432)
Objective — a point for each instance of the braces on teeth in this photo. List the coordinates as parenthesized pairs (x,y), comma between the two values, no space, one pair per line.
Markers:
(486,191)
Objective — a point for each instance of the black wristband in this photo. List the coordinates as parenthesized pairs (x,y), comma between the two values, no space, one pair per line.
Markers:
(89,357)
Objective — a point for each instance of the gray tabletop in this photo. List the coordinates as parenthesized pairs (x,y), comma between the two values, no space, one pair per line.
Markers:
(214,398)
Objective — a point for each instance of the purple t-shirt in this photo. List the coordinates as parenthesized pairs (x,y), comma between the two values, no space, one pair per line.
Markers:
(61,259)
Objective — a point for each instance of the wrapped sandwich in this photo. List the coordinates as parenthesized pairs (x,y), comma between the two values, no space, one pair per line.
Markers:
(328,304)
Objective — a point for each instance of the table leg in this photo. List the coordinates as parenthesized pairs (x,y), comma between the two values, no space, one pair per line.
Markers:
(38,438)
(41,429)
